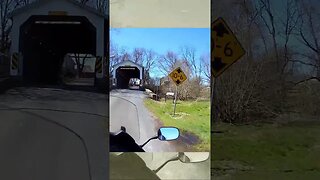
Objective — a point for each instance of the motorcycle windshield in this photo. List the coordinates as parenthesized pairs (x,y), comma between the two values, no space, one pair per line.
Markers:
(124,112)
(147,157)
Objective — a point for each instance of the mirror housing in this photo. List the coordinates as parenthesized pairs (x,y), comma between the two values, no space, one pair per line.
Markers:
(168,133)
(165,134)
(193,157)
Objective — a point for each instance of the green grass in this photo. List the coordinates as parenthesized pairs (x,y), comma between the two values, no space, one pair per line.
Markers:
(267,151)
(192,117)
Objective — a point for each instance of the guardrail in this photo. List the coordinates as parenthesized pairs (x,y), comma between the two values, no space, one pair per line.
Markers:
(152,95)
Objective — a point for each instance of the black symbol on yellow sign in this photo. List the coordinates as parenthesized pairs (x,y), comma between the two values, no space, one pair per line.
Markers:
(15,61)
(225,47)
(178,76)
(220,29)
(99,65)
(217,64)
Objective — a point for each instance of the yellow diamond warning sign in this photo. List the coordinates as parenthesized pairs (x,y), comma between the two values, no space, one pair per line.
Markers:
(178,76)
(225,48)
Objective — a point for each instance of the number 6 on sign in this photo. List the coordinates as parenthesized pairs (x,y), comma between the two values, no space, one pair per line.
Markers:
(227,50)
(178,76)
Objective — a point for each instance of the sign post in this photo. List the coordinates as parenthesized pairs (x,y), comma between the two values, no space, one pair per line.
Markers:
(225,50)
(175,101)
(178,78)
(157,83)
(214,110)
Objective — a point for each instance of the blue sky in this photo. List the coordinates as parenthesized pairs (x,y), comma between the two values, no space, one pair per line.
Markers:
(160,40)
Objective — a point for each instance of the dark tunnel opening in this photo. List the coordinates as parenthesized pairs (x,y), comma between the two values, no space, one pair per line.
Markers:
(124,74)
(45,40)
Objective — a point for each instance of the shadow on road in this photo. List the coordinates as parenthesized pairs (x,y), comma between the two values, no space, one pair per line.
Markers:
(10,83)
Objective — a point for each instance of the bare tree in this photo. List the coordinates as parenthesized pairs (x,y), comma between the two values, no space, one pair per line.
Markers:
(205,63)
(138,55)
(118,54)
(146,58)
(125,56)
(243,91)
(84,1)
(279,26)
(191,87)
(102,5)
(189,54)
(114,55)
(268,17)
(80,62)
(24,2)
(309,37)
(257,86)
(167,62)
(6,7)
(195,66)
(289,23)
(149,60)
(239,93)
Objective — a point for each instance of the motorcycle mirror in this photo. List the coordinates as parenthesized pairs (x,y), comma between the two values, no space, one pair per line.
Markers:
(168,133)
(193,157)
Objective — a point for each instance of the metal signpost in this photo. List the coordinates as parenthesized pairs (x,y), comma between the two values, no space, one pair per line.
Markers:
(178,78)
(225,50)
(157,83)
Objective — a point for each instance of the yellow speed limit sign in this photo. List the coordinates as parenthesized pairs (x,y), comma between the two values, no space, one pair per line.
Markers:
(178,76)
(225,47)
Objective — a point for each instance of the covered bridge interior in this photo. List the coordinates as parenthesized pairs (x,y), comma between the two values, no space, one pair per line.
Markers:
(45,40)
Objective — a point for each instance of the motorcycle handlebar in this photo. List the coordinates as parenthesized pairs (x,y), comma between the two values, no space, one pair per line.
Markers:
(123,142)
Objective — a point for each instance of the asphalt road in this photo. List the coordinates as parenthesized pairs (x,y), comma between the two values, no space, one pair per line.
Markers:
(48,133)
(127,109)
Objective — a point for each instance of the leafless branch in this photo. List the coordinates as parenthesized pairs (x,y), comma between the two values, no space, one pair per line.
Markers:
(305,80)
(304,63)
